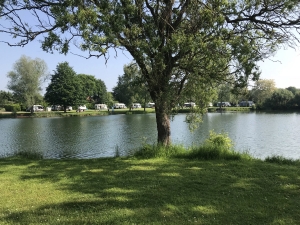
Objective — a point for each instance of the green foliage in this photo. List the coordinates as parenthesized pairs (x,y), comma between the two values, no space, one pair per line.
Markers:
(292,89)
(216,147)
(262,90)
(64,88)
(6,97)
(109,99)
(25,80)
(219,140)
(280,99)
(94,90)
(281,160)
(159,151)
(130,87)
(12,107)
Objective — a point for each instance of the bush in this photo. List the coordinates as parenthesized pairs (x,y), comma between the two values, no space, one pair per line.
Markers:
(220,140)
(12,108)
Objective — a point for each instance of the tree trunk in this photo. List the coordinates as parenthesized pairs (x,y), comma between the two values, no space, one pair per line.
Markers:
(163,124)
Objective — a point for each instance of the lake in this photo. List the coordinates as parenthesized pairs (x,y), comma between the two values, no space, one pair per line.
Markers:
(260,134)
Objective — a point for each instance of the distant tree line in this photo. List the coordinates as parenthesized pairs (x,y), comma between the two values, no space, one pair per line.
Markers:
(66,88)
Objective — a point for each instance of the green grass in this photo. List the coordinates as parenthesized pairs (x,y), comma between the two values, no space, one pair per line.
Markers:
(89,112)
(152,191)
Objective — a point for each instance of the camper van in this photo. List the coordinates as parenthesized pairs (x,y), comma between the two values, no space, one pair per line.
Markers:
(119,106)
(223,104)
(136,105)
(189,104)
(35,108)
(100,106)
(150,105)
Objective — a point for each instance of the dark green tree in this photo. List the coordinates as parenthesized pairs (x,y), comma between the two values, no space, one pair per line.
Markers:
(94,89)
(292,89)
(65,88)
(130,87)
(25,80)
(6,97)
(280,99)
(171,41)
(296,100)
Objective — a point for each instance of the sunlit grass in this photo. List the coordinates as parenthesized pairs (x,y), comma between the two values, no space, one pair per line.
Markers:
(148,191)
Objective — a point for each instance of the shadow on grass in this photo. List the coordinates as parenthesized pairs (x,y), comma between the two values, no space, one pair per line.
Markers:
(124,191)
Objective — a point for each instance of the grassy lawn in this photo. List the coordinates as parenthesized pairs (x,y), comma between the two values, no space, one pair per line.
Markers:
(153,191)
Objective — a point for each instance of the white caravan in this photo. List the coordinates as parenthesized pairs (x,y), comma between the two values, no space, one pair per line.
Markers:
(119,106)
(100,106)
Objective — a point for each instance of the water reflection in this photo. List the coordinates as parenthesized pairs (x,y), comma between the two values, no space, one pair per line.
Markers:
(260,134)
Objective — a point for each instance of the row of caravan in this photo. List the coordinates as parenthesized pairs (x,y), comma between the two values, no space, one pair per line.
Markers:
(134,105)
(39,108)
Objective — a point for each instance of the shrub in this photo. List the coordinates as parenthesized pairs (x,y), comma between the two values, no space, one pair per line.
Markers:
(220,140)
(12,107)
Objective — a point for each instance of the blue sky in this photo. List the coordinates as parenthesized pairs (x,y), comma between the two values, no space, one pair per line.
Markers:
(108,72)
(285,73)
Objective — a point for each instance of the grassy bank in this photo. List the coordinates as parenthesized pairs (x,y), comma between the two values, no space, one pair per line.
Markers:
(153,191)
(72,113)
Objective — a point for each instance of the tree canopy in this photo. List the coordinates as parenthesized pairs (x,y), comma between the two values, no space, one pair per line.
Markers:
(130,87)
(6,97)
(175,43)
(25,80)
(64,88)
(262,90)
(93,89)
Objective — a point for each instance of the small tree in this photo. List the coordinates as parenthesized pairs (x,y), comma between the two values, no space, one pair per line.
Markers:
(25,80)
(65,88)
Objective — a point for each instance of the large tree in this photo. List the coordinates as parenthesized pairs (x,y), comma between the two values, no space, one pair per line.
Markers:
(173,42)
(94,89)
(65,88)
(25,80)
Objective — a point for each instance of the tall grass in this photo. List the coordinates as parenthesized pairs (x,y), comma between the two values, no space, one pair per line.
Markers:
(28,154)
(281,160)
(217,146)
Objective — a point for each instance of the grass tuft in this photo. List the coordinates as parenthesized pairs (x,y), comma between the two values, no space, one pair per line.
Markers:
(148,151)
(29,155)
(281,160)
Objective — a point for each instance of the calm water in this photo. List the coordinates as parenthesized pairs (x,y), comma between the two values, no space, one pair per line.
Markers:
(260,134)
